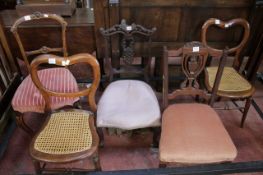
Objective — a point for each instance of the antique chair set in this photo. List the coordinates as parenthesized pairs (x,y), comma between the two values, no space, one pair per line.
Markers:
(192,136)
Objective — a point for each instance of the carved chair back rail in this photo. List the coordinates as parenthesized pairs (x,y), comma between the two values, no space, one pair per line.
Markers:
(35,17)
(127,35)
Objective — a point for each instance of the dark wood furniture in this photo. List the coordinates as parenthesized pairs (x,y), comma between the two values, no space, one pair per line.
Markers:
(67,135)
(59,7)
(233,85)
(80,33)
(177,21)
(192,133)
(27,98)
(128,36)
(135,105)
(9,81)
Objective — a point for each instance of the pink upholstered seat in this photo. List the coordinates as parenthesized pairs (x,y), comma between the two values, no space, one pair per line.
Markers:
(194,134)
(28,98)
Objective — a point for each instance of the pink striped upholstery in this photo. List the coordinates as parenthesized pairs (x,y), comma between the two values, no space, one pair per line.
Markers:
(28,98)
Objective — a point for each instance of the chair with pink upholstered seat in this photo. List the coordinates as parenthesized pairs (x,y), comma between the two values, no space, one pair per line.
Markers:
(27,97)
(192,133)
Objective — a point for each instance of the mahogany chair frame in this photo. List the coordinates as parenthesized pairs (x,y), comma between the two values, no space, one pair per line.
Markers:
(43,50)
(193,63)
(247,96)
(127,35)
(89,92)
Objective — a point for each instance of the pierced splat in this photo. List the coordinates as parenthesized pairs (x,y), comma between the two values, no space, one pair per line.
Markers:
(126,35)
(193,62)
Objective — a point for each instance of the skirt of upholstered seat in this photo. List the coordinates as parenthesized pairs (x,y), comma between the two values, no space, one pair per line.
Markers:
(128,104)
(231,80)
(28,98)
(193,133)
(65,133)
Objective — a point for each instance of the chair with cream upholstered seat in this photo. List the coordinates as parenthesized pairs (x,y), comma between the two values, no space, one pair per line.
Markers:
(128,104)
(68,135)
(192,133)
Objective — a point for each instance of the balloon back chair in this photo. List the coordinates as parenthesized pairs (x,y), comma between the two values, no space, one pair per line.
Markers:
(128,104)
(67,135)
(232,85)
(192,133)
(27,97)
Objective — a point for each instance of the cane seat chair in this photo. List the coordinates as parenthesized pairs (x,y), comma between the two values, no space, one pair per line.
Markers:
(232,85)
(27,97)
(67,135)
(128,104)
(192,133)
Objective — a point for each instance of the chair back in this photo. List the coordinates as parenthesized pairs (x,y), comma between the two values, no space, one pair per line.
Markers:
(226,25)
(194,56)
(126,35)
(84,58)
(44,49)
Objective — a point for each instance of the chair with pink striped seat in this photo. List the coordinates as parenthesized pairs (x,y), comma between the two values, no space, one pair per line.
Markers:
(27,97)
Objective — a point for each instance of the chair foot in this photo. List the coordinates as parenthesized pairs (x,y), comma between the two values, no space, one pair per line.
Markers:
(96,161)
(21,123)
(247,106)
(101,136)
(37,167)
(162,165)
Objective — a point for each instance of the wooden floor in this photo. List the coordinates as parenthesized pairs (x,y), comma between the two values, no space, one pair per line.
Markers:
(125,153)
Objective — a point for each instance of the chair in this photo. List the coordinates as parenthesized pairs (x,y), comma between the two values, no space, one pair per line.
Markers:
(135,105)
(233,85)
(192,133)
(67,135)
(27,97)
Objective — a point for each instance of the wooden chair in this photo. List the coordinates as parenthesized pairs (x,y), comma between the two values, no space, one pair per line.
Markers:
(67,135)
(192,133)
(135,105)
(233,85)
(27,97)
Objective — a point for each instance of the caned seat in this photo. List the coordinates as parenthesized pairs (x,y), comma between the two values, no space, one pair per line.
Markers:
(194,133)
(128,104)
(28,98)
(231,85)
(231,81)
(68,135)
(65,133)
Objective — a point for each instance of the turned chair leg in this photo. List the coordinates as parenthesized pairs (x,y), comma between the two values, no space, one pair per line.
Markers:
(96,161)
(247,105)
(21,123)
(37,166)
(101,136)
(156,136)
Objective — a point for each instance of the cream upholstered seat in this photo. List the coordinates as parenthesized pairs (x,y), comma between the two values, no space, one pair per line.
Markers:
(231,80)
(194,134)
(128,104)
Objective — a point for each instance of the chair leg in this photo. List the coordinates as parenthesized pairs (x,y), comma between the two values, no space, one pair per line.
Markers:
(156,135)
(21,123)
(101,136)
(37,166)
(96,161)
(247,105)
(162,165)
